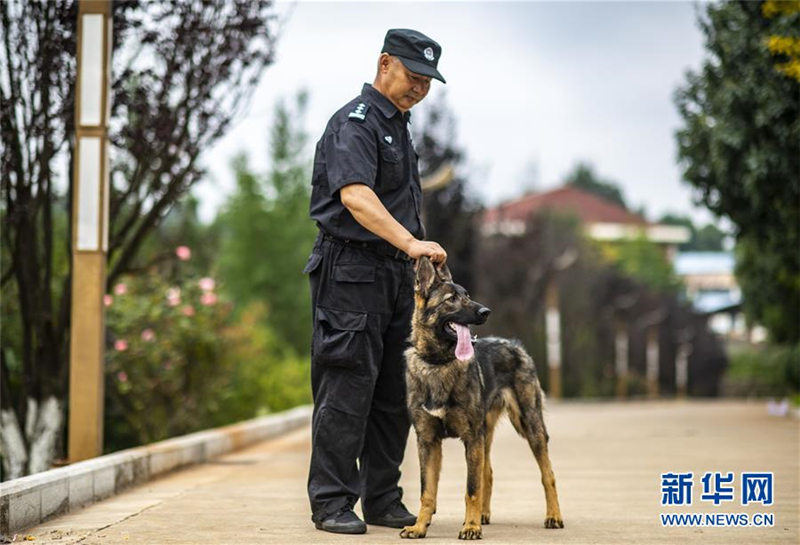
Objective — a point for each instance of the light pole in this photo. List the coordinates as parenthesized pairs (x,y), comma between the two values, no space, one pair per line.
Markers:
(89,230)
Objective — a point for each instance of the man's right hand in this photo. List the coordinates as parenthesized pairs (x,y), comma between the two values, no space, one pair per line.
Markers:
(419,248)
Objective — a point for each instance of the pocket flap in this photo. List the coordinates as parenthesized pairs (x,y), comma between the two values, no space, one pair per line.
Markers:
(354,273)
(390,154)
(343,320)
(313,262)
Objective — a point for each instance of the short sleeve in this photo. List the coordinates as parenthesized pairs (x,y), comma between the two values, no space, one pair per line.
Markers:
(351,156)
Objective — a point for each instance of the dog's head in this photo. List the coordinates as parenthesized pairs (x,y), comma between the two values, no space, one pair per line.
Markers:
(445,308)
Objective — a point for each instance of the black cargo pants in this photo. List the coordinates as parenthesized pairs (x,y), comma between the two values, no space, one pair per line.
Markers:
(362,304)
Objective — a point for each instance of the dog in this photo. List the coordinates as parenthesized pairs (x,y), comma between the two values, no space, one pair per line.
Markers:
(459,386)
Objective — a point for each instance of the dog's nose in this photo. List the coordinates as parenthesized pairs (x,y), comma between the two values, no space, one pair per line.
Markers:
(483,313)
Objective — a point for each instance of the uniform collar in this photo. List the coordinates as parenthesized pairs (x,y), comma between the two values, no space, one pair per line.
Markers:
(385,105)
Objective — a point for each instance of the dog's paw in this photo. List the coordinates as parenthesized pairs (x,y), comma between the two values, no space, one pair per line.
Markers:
(553,522)
(470,531)
(485,518)
(414,532)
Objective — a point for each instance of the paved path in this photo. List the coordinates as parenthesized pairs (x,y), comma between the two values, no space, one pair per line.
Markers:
(608,458)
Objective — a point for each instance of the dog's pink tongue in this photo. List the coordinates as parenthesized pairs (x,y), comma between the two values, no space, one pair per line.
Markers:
(464,350)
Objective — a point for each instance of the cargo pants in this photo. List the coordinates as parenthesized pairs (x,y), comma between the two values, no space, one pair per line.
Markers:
(362,304)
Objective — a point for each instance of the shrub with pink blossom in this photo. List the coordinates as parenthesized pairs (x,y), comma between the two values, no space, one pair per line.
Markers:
(168,347)
(178,361)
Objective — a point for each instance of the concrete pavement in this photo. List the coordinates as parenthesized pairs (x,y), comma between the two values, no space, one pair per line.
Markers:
(608,459)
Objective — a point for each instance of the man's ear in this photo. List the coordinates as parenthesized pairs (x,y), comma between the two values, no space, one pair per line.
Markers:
(426,275)
(444,273)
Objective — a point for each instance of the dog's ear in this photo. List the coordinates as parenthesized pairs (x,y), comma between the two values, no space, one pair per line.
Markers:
(444,273)
(426,276)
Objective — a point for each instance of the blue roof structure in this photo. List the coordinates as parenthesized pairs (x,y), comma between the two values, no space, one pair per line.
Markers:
(692,263)
(716,301)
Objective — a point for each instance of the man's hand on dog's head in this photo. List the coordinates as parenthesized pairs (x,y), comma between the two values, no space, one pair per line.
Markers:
(429,248)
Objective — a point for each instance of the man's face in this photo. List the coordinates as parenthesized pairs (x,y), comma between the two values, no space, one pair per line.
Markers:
(402,86)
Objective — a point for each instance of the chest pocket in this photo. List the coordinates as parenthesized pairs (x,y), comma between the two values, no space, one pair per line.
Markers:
(391,166)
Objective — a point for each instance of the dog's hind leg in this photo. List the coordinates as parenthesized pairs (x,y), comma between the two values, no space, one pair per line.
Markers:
(530,424)
(430,465)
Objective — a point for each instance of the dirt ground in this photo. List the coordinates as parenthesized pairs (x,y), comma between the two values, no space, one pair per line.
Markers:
(608,459)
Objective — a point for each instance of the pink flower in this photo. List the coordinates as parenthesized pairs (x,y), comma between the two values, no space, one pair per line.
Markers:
(174,297)
(209,298)
(120,345)
(183,253)
(188,310)
(107,300)
(120,289)
(148,335)
(122,376)
(207,284)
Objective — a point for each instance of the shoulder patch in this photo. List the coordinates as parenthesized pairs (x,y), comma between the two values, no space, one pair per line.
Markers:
(360,112)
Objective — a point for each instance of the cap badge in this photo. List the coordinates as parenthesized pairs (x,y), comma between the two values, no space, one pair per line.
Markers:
(428,53)
(388,139)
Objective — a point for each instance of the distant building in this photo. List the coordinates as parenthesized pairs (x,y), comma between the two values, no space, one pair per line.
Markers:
(712,288)
(709,279)
(602,219)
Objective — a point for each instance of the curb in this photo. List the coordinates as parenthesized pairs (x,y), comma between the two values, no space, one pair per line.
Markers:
(31,500)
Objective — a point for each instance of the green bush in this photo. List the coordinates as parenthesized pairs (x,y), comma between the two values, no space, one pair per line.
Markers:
(768,370)
(176,362)
(270,376)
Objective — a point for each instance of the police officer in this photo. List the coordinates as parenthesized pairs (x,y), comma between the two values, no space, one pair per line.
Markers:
(366,201)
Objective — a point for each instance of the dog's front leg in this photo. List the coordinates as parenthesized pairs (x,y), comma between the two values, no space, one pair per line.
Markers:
(475,459)
(430,465)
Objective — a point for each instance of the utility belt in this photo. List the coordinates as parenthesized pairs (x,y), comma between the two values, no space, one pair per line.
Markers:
(379,247)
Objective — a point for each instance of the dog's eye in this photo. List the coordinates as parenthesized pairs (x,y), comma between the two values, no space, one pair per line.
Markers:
(448,297)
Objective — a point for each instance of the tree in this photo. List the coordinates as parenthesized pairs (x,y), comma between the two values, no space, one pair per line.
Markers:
(182,72)
(267,235)
(740,148)
(705,239)
(449,213)
(584,177)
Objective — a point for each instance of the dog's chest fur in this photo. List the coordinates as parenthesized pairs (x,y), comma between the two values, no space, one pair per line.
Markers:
(442,396)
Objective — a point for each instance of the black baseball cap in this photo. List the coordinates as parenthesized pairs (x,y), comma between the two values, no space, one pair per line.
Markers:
(416,51)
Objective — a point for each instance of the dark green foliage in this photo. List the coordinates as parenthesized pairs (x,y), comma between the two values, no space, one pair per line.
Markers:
(740,148)
(584,177)
(766,370)
(449,213)
(267,235)
(708,238)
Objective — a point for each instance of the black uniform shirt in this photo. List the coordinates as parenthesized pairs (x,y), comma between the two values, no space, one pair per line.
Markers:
(368,141)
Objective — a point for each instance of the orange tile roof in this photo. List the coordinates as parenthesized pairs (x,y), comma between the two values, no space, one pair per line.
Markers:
(588,207)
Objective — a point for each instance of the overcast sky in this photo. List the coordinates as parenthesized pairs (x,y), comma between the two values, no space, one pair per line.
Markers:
(535,87)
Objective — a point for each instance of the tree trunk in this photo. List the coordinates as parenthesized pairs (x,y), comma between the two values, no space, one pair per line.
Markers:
(15,455)
(34,451)
(45,434)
